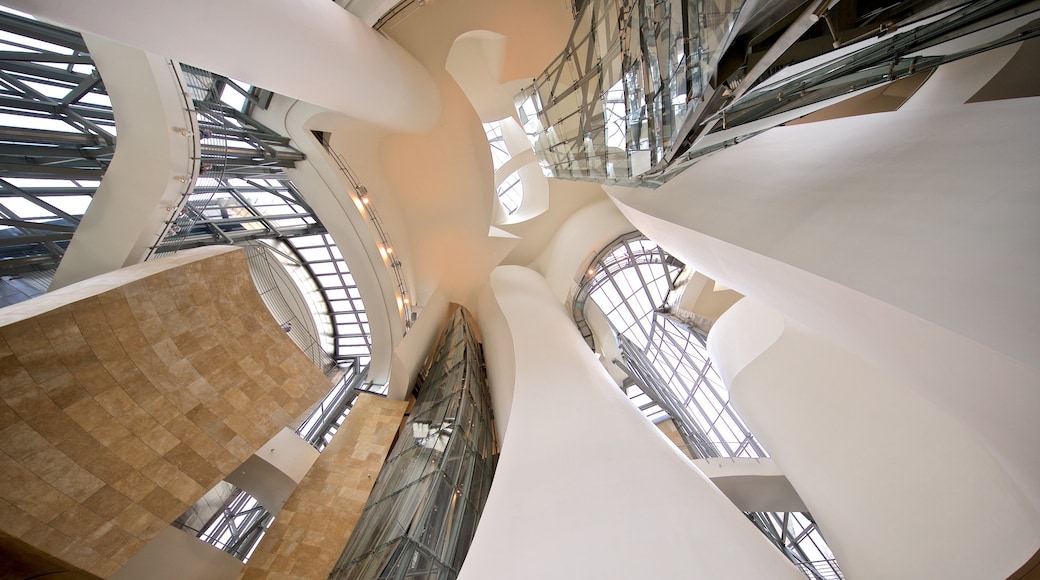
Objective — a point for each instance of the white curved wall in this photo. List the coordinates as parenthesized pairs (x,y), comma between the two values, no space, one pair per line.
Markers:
(312,50)
(895,484)
(586,487)
(584,233)
(140,187)
(905,237)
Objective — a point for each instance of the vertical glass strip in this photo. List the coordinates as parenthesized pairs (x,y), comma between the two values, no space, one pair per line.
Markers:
(422,513)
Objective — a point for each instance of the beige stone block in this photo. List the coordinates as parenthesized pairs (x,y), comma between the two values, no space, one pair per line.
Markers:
(104,377)
(77,483)
(161,471)
(29,400)
(75,519)
(90,318)
(107,348)
(64,390)
(111,434)
(135,453)
(163,505)
(185,489)
(24,337)
(47,503)
(159,439)
(16,521)
(103,540)
(134,519)
(117,311)
(41,364)
(194,465)
(107,502)
(8,416)
(127,550)
(96,379)
(134,486)
(115,401)
(20,441)
(88,414)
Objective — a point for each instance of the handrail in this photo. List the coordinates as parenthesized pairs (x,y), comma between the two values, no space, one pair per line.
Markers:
(386,249)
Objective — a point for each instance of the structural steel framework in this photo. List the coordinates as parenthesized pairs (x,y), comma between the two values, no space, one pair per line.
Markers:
(671,376)
(57,138)
(644,88)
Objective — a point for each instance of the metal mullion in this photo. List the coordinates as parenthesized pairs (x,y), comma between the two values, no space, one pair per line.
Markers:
(249,206)
(17,83)
(201,219)
(5,184)
(53,191)
(42,31)
(84,87)
(35,225)
(29,68)
(108,137)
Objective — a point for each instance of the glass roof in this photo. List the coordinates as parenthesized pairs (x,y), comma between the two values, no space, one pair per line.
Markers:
(349,335)
(243,193)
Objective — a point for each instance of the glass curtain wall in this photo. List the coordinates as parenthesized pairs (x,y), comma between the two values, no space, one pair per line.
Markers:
(422,513)
(613,104)
(644,88)
(670,375)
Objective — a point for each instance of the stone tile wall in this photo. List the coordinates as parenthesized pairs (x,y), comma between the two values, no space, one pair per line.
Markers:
(315,523)
(125,397)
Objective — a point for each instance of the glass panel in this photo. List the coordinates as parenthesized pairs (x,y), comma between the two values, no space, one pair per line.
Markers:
(429,493)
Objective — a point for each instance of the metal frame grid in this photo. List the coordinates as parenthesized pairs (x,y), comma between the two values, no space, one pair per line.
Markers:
(671,376)
(349,338)
(242,192)
(57,138)
(640,84)
(423,510)
(511,190)
(615,101)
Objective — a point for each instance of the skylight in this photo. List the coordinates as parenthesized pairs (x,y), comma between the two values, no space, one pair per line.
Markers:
(668,366)
(511,193)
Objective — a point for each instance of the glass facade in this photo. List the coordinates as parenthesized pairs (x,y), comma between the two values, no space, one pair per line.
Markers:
(644,88)
(422,513)
(670,375)
(614,103)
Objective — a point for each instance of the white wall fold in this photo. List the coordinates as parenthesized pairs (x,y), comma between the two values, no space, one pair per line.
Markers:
(312,50)
(899,489)
(586,486)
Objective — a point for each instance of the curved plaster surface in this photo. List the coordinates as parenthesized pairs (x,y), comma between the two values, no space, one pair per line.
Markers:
(140,186)
(576,242)
(575,452)
(906,237)
(327,191)
(312,50)
(892,481)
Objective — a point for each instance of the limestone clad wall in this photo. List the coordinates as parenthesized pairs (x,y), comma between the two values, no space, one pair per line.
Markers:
(123,398)
(315,523)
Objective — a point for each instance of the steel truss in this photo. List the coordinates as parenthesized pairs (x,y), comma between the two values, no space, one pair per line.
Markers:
(57,137)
